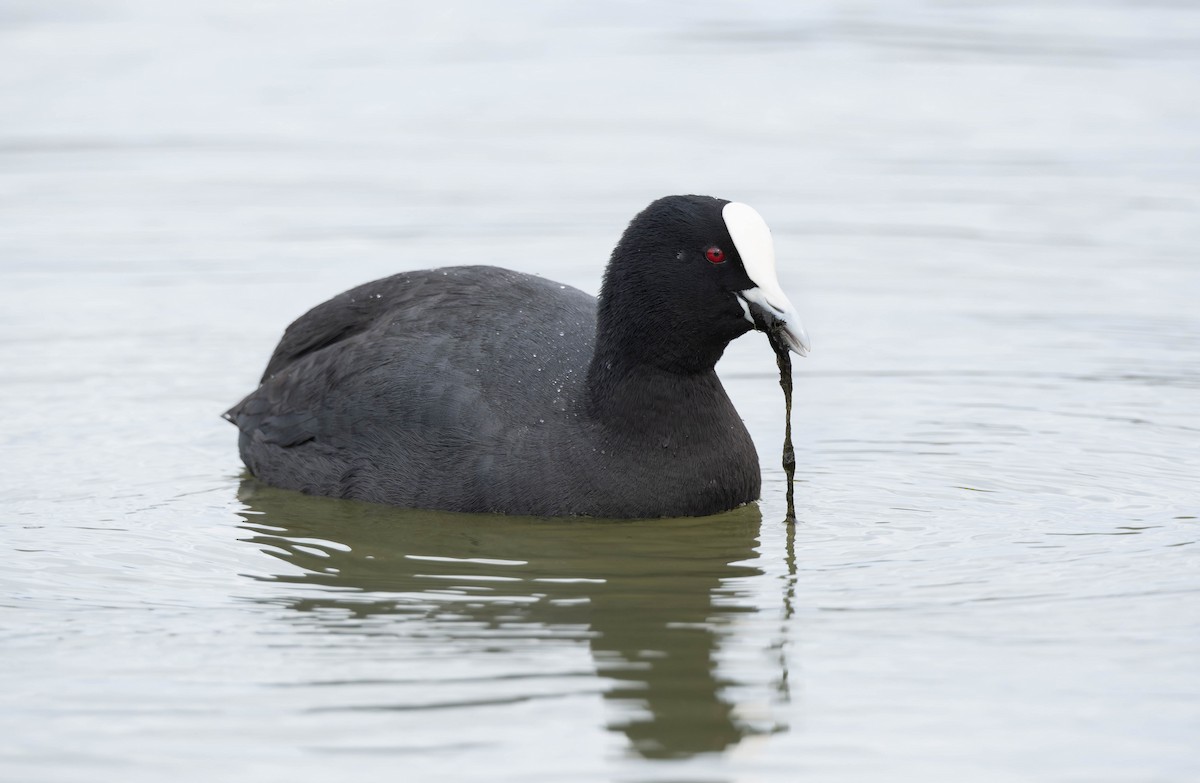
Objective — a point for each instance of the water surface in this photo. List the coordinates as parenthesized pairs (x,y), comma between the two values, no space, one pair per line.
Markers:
(986,213)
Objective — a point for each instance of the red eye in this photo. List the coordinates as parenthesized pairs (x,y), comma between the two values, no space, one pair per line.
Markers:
(715,254)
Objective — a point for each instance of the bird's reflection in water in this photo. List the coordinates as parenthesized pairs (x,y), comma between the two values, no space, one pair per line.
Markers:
(652,599)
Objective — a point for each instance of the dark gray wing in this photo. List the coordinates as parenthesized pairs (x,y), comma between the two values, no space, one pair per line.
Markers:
(419,375)
(342,317)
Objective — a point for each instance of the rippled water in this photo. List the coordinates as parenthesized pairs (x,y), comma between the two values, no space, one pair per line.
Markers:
(986,212)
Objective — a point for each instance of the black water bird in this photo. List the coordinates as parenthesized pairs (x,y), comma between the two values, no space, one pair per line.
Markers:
(481,389)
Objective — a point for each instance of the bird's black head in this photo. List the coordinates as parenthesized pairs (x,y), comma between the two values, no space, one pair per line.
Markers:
(690,274)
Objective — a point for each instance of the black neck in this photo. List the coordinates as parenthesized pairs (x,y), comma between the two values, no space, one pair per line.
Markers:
(660,328)
(652,403)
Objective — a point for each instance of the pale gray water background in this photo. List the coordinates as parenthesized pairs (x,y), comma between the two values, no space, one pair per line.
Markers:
(988,213)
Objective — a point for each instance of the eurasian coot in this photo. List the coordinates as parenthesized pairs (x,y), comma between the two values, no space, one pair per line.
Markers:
(485,390)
